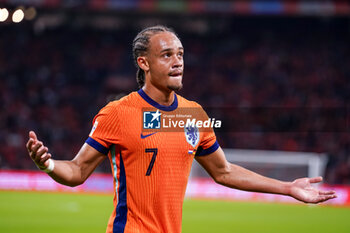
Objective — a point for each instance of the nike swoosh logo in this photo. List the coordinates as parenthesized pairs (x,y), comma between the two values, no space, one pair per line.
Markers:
(147,135)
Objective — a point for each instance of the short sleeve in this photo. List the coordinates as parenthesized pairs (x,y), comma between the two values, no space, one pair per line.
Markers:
(104,126)
(208,143)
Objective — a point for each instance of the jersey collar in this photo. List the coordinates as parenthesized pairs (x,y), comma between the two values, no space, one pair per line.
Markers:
(148,99)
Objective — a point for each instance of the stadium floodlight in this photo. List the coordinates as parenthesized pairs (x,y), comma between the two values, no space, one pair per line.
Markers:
(18,16)
(4,13)
(30,13)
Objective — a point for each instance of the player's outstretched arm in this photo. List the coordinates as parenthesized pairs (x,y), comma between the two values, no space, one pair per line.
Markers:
(234,176)
(70,173)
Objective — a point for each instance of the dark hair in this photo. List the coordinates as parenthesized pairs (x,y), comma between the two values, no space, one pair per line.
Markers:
(140,46)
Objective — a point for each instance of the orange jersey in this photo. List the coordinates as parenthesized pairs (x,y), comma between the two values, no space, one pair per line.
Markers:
(150,169)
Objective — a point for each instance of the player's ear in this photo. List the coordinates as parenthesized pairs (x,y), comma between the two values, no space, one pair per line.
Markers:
(143,63)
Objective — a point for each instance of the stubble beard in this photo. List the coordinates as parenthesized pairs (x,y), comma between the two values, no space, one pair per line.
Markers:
(175,88)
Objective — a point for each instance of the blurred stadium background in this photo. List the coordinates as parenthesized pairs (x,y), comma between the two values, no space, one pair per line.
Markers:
(276,72)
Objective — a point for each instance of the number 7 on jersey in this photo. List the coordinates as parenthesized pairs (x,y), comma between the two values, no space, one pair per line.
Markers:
(150,166)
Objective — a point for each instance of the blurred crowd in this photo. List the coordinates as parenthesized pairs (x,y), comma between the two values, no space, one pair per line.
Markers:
(54,82)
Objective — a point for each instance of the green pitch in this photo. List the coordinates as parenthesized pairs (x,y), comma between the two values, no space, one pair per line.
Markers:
(61,212)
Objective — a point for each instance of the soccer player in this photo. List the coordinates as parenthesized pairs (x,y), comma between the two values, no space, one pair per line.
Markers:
(151,170)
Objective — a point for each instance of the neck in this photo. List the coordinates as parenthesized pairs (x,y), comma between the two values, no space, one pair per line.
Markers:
(165,98)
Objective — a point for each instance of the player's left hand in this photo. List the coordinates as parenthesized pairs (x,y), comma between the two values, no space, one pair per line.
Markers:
(302,190)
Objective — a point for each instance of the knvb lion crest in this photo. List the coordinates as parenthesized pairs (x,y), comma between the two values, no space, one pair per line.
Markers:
(192,135)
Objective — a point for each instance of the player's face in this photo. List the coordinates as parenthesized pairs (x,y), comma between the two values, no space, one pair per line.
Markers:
(166,62)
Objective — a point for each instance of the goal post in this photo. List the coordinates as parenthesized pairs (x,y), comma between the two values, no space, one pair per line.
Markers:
(283,165)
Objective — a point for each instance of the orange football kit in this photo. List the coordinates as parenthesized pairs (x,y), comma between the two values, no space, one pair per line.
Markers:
(150,169)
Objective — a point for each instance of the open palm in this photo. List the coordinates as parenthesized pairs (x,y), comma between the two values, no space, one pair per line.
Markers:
(303,191)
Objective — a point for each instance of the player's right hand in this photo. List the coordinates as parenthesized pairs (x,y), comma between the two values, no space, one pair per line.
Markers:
(37,151)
